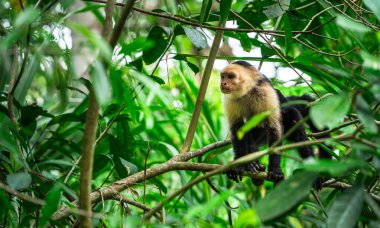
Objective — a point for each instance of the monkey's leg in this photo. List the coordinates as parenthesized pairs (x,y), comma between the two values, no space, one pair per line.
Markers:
(275,173)
(256,137)
(240,148)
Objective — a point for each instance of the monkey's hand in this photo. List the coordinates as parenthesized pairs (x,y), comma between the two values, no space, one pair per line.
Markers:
(275,175)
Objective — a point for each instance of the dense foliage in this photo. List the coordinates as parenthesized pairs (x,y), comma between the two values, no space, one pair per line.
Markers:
(55,53)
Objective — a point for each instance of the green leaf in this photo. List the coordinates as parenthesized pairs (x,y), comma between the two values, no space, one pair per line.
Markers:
(287,195)
(277,9)
(202,210)
(346,208)
(288,33)
(122,166)
(350,25)
(4,202)
(136,45)
(374,6)
(251,123)
(225,6)
(330,111)
(157,79)
(101,161)
(365,114)
(67,117)
(372,204)
(333,167)
(161,38)
(247,218)
(19,181)
(94,39)
(6,138)
(196,37)
(205,11)
(158,183)
(102,87)
(192,66)
(52,201)
(27,17)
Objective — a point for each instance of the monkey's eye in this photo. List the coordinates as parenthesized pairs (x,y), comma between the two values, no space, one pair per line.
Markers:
(230,76)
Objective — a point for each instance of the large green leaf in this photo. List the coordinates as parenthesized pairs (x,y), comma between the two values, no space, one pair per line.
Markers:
(287,195)
(346,208)
(19,181)
(225,6)
(196,37)
(136,45)
(102,87)
(95,41)
(374,6)
(26,17)
(332,167)
(192,66)
(52,202)
(350,25)
(205,10)
(251,123)
(247,218)
(330,111)
(365,115)
(161,38)
(202,210)
(277,9)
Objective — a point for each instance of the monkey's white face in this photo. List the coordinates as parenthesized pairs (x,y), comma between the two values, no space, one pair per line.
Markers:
(236,80)
(229,82)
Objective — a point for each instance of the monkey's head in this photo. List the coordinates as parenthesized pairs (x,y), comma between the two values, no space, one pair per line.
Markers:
(237,78)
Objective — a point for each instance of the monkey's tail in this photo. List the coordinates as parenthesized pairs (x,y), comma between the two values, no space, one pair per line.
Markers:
(305,111)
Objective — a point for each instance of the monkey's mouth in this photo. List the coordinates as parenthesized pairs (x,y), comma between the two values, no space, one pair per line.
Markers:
(225,90)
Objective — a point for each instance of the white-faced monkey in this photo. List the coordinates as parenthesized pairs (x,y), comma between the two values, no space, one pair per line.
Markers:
(247,92)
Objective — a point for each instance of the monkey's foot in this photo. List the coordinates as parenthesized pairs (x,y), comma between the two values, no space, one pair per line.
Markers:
(319,183)
(275,175)
(236,173)
(255,166)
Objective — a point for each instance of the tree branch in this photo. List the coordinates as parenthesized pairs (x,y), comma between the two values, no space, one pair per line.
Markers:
(203,88)
(176,163)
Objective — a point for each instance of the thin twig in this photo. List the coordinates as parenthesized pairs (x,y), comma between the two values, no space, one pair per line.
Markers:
(324,133)
(120,197)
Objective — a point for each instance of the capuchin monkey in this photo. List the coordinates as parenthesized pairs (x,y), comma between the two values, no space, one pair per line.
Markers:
(247,92)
